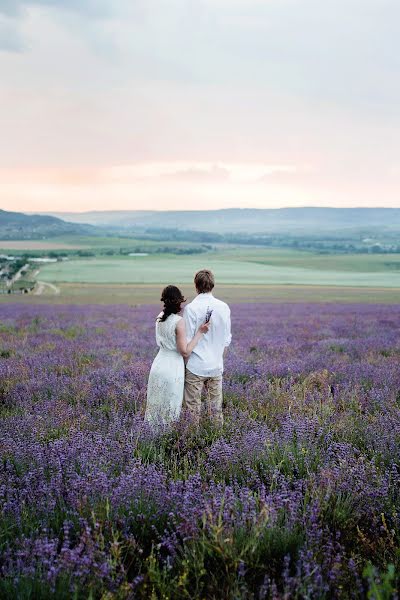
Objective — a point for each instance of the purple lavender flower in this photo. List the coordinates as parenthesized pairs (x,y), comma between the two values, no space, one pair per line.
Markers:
(291,499)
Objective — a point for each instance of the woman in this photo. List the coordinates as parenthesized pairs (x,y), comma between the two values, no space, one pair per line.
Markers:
(167,373)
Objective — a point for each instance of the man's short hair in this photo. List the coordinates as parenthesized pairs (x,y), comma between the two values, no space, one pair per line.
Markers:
(204,281)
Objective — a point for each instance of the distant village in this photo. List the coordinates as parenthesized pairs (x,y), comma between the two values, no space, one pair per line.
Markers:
(18,274)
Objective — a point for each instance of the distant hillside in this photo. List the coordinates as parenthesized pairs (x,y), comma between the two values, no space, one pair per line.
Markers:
(246,220)
(20,226)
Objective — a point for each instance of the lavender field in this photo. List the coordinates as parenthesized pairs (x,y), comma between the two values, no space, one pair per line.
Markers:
(298,496)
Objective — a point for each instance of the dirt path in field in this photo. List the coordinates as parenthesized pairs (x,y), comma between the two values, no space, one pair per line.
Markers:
(42,285)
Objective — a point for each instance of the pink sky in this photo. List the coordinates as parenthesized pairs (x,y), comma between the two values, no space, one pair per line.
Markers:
(198,104)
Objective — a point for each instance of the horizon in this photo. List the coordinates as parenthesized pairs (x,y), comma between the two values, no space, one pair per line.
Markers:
(229,208)
(199,104)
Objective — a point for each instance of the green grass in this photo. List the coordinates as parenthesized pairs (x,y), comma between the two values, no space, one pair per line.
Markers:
(96,244)
(363,263)
(242,273)
(272,268)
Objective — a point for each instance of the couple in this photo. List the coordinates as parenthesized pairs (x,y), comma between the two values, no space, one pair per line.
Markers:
(197,340)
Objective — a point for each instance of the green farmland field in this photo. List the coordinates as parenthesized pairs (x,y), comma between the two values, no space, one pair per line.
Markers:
(231,268)
(243,274)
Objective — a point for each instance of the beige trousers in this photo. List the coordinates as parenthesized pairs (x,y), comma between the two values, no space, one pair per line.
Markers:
(192,400)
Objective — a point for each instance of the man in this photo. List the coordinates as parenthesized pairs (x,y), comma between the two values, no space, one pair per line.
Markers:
(205,364)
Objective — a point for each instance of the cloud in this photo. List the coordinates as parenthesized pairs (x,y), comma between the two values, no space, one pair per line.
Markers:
(14,12)
(196,174)
(147,173)
(92,7)
(225,95)
(10,38)
(307,49)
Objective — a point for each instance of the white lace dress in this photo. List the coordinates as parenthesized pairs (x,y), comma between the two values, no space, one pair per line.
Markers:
(167,376)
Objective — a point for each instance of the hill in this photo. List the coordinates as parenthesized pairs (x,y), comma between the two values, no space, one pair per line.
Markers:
(20,226)
(246,220)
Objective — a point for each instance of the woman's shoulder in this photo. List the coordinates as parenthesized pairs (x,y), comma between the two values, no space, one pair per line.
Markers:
(171,318)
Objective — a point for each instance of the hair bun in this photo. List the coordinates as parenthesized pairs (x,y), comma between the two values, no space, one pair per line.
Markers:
(172,298)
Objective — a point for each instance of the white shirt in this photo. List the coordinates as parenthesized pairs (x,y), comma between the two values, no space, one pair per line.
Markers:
(206,360)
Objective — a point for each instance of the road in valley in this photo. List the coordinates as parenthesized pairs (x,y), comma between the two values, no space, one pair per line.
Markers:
(41,287)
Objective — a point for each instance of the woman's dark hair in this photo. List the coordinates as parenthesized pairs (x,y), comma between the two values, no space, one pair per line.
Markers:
(172,298)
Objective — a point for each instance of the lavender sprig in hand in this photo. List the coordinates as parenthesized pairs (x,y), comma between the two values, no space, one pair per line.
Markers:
(208,314)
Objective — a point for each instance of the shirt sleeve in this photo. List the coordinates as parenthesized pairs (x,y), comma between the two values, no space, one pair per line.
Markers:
(190,323)
(228,334)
